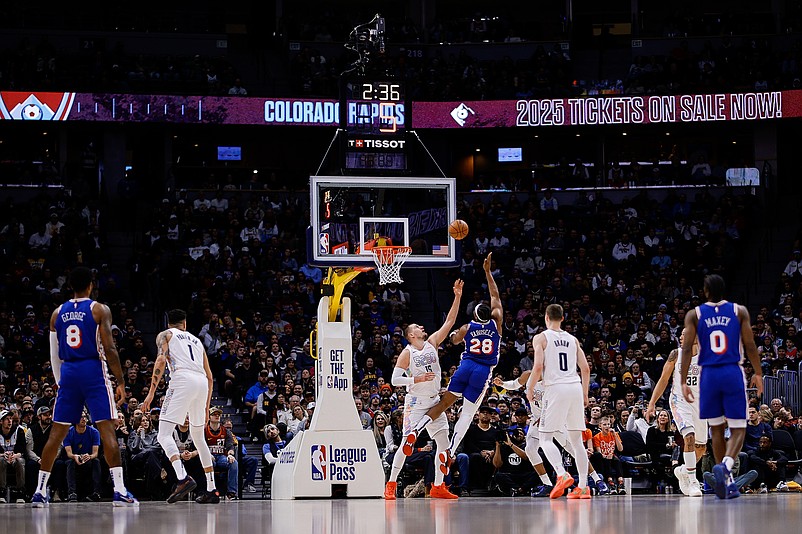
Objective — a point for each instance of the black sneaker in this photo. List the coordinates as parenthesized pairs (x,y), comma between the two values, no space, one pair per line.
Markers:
(72,498)
(232,497)
(95,497)
(181,489)
(210,497)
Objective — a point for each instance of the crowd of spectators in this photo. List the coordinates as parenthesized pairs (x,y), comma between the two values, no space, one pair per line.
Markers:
(625,273)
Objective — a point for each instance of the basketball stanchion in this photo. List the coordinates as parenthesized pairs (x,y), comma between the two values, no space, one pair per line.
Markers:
(335,456)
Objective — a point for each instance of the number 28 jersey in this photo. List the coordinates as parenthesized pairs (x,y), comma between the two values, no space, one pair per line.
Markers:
(560,358)
(482,343)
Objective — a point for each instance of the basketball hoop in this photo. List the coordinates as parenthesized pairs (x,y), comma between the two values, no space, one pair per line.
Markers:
(389,261)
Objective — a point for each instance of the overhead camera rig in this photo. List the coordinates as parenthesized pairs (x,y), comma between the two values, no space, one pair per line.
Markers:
(366,40)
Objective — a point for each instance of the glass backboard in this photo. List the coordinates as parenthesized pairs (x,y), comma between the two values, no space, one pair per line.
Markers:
(350,214)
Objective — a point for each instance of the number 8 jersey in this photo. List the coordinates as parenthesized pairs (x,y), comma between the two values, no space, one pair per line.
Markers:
(78,334)
(719,333)
(559,365)
(482,343)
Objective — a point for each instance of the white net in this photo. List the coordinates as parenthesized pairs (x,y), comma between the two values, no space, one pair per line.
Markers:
(389,261)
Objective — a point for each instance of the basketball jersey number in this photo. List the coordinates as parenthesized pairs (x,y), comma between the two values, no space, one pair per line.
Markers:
(481,346)
(691,381)
(73,336)
(563,357)
(191,355)
(718,342)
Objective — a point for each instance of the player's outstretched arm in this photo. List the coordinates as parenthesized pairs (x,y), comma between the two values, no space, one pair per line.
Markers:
(163,347)
(660,387)
(496,309)
(102,316)
(514,384)
(689,337)
(748,340)
(438,337)
(457,336)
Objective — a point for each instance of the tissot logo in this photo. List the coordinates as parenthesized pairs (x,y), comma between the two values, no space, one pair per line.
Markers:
(377,143)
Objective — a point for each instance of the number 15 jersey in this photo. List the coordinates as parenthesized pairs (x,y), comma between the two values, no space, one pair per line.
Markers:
(421,362)
(482,343)
(560,358)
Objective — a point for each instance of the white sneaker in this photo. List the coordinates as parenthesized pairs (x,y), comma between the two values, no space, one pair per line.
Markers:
(782,486)
(684,480)
(694,489)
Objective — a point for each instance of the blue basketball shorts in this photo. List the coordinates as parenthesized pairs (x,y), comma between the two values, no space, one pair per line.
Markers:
(84,383)
(722,392)
(470,380)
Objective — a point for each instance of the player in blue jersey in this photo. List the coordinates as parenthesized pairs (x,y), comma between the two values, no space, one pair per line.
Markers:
(82,352)
(482,338)
(722,328)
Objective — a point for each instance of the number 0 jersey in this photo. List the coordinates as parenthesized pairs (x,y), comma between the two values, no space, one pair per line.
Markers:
(186,353)
(77,331)
(719,333)
(693,376)
(560,358)
(421,362)
(482,343)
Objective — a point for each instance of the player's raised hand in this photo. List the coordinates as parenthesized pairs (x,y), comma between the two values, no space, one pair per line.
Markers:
(486,263)
(458,287)
(688,394)
(497,381)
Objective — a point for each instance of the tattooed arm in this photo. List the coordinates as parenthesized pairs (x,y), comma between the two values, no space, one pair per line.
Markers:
(162,344)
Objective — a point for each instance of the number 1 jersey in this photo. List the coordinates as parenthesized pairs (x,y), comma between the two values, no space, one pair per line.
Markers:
(560,358)
(186,353)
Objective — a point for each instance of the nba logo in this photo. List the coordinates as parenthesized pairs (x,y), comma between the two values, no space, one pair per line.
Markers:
(318,462)
(323,239)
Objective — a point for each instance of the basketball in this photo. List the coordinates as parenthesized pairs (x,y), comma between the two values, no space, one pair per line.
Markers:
(458,229)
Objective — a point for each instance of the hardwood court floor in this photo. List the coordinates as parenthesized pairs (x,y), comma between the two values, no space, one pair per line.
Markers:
(768,514)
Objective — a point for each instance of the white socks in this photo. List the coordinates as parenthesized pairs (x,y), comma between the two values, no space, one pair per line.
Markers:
(210,481)
(117,478)
(41,487)
(178,467)
(690,461)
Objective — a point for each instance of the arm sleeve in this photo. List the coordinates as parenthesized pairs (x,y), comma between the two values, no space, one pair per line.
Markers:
(512,385)
(400,379)
(55,361)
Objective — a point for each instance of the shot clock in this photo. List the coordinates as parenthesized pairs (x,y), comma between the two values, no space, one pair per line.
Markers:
(375,116)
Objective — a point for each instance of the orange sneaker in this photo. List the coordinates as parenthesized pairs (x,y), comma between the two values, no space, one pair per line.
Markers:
(583,493)
(408,446)
(444,461)
(560,486)
(390,490)
(441,492)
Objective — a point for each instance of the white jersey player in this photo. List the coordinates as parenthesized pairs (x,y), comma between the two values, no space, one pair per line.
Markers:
(533,436)
(686,416)
(557,356)
(418,368)
(188,394)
